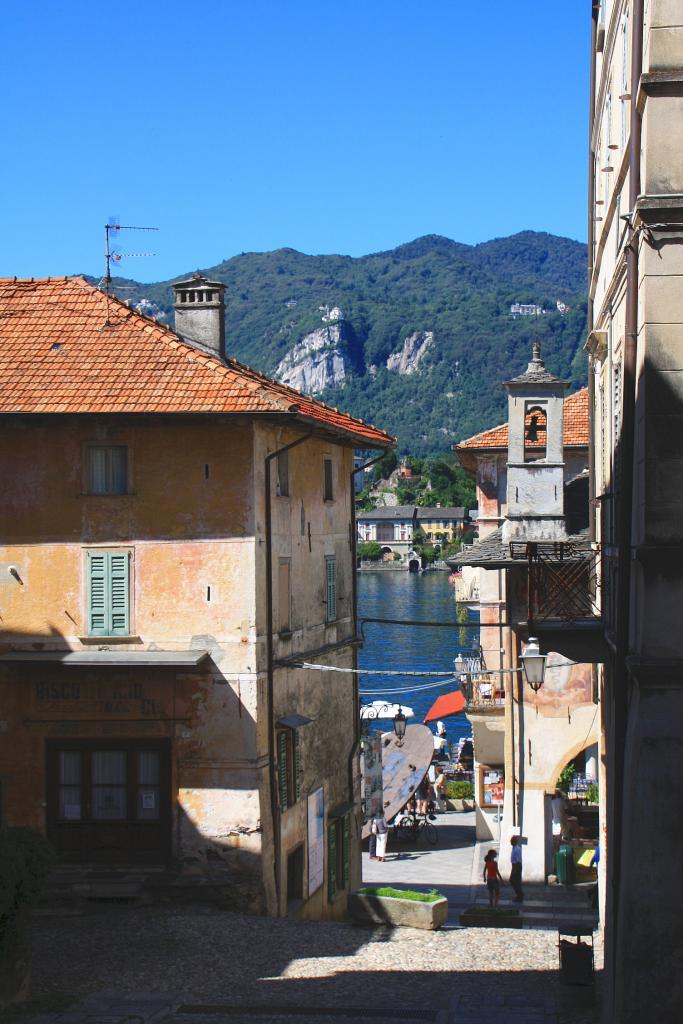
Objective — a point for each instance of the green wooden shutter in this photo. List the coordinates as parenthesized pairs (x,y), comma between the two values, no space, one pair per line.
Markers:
(296,749)
(108,594)
(282,769)
(331,860)
(346,842)
(331,564)
(98,611)
(118,594)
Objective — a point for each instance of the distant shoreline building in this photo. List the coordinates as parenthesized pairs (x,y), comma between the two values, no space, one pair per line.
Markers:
(394,527)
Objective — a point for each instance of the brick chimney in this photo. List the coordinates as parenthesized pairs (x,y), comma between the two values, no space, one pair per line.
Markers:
(200,313)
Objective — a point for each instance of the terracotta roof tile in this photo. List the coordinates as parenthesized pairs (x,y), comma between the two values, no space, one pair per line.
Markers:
(57,355)
(575,428)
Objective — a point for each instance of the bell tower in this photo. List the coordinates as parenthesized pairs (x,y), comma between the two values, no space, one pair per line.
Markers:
(535,477)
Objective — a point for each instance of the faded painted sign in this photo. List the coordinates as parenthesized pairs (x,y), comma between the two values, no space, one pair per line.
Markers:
(101,698)
(371,775)
(565,685)
(316,840)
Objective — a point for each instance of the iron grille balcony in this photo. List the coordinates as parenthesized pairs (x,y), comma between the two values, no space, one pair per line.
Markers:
(563,581)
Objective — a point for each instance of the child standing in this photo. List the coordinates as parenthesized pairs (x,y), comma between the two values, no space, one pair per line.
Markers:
(492,877)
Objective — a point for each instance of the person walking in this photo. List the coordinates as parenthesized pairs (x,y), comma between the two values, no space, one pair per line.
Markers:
(439,787)
(492,877)
(372,845)
(516,869)
(422,794)
(381,831)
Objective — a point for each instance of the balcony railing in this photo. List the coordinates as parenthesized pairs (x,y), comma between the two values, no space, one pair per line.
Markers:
(563,581)
(484,691)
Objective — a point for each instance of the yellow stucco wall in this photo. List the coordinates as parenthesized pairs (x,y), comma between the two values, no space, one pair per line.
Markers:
(187,529)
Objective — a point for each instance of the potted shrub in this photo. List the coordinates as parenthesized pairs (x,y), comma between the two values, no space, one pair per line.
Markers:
(459,795)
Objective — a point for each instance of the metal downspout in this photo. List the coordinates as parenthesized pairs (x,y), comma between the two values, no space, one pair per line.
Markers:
(274,807)
(591,156)
(591,236)
(626,460)
(353,544)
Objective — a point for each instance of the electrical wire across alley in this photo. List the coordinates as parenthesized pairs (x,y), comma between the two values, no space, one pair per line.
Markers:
(442,680)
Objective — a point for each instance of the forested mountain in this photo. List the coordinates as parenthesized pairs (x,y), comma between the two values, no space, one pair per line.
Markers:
(451,301)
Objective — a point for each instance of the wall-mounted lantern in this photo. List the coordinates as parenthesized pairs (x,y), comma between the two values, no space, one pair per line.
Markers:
(534,664)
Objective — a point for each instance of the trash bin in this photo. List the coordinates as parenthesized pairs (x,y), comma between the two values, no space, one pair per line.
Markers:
(565,865)
(576,958)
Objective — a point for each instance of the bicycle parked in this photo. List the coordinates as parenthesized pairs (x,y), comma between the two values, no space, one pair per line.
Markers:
(413,826)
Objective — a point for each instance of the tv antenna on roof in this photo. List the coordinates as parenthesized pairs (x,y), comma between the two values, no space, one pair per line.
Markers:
(111,234)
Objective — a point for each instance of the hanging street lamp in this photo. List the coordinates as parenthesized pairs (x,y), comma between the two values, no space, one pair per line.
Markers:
(399,726)
(534,664)
(377,710)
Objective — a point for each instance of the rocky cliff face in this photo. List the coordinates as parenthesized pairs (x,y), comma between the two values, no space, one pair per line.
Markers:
(318,361)
(415,347)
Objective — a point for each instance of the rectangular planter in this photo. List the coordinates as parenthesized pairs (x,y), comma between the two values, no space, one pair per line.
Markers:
(472,918)
(398,913)
(465,804)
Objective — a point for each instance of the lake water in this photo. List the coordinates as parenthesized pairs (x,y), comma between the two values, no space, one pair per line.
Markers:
(422,597)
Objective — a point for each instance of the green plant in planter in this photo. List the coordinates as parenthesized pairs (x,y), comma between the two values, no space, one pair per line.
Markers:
(459,789)
(402,894)
(592,793)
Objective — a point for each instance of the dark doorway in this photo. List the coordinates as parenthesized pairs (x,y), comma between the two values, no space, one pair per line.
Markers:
(295,876)
(109,801)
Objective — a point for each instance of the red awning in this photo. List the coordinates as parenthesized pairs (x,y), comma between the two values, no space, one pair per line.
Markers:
(445,705)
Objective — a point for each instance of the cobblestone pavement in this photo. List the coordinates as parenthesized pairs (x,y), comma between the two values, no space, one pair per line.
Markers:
(192,964)
(223,966)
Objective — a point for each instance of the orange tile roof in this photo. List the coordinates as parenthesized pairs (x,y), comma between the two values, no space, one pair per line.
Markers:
(57,355)
(575,428)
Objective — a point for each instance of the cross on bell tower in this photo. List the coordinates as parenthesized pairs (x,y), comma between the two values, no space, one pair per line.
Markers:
(535,469)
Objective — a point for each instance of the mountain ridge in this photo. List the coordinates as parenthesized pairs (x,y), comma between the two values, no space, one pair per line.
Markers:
(460,293)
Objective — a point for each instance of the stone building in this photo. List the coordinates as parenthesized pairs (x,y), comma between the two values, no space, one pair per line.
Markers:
(441,522)
(635,350)
(177,535)
(532,489)
(392,527)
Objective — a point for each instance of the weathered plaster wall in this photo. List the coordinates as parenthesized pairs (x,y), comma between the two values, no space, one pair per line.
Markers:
(305,530)
(188,528)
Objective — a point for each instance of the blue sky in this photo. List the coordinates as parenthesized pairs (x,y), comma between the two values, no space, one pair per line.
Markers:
(343,126)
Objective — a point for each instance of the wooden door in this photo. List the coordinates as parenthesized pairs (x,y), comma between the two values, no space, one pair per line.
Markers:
(109,801)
